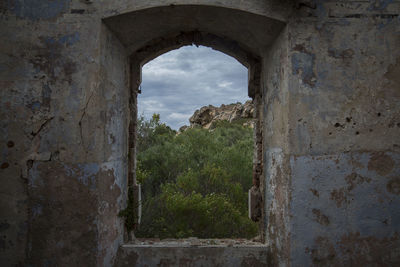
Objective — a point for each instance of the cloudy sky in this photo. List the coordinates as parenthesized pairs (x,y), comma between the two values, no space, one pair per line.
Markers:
(177,83)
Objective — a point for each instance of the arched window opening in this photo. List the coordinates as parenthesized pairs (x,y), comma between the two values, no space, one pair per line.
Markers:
(194,178)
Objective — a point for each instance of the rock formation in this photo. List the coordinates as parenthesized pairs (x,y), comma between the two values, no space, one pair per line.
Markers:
(206,116)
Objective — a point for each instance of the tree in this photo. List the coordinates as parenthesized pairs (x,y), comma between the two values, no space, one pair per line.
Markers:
(194,183)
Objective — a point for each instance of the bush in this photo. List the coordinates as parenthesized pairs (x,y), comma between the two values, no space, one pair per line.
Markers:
(194,183)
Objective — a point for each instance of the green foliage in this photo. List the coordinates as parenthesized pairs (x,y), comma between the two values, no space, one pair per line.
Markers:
(194,183)
(152,132)
(128,213)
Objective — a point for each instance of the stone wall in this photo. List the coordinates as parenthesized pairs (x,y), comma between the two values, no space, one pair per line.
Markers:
(331,135)
(209,255)
(331,129)
(64,135)
(276,150)
(344,134)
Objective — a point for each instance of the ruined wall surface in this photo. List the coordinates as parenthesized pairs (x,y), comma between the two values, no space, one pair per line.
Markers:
(275,9)
(276,149)
(63,135)
(64,127)
(235,256)
(344,134)
(331,129)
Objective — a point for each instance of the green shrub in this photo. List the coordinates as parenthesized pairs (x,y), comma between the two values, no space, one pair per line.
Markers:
(194,183)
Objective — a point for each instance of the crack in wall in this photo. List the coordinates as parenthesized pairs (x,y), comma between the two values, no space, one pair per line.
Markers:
(44,124)
(82,116)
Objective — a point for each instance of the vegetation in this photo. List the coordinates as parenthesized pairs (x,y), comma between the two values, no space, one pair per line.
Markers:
(194,183)
(128,213)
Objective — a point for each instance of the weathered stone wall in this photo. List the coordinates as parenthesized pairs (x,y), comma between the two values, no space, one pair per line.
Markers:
(332,134)
(344,134)
(276,149)
(64,128)
(331,125)
(63,123)
(210,255)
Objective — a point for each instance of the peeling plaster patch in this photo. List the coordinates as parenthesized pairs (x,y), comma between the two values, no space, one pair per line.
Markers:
(54,187)
(50,59)
(37,210)
(111,225)
(345,56)
(324,253)
(73,99)
(34,179)
(34,106)
(38,9)
(393,186)
(46,96)
(339,196)
(119,172)
(379,5)
(341,54)
(370,250)
(314,192)
(320,217)
(321,10)
(350,196)
(354,179)
(356,163)
(381,163)
(303,65)
(89,172)
(343,194)
(277,198)
(68,39)
(13,68)
(385,23)
(85,173)
(303,135)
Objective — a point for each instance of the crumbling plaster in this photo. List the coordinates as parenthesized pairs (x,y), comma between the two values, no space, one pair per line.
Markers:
(331,136)
(330,125)
(64,80)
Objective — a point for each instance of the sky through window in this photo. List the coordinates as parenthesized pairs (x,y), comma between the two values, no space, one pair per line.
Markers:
(177,83)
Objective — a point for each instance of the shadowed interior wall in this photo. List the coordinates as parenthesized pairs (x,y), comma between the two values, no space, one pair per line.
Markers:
(63,122)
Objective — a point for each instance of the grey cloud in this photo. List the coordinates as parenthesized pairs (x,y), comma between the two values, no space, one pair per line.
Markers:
(181,81)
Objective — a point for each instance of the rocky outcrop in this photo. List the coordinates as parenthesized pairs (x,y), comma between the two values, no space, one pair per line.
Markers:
(208,115)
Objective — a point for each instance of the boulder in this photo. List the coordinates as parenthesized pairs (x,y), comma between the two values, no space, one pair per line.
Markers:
(206,116)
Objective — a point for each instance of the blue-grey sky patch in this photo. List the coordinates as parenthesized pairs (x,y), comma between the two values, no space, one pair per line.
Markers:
(177,83)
